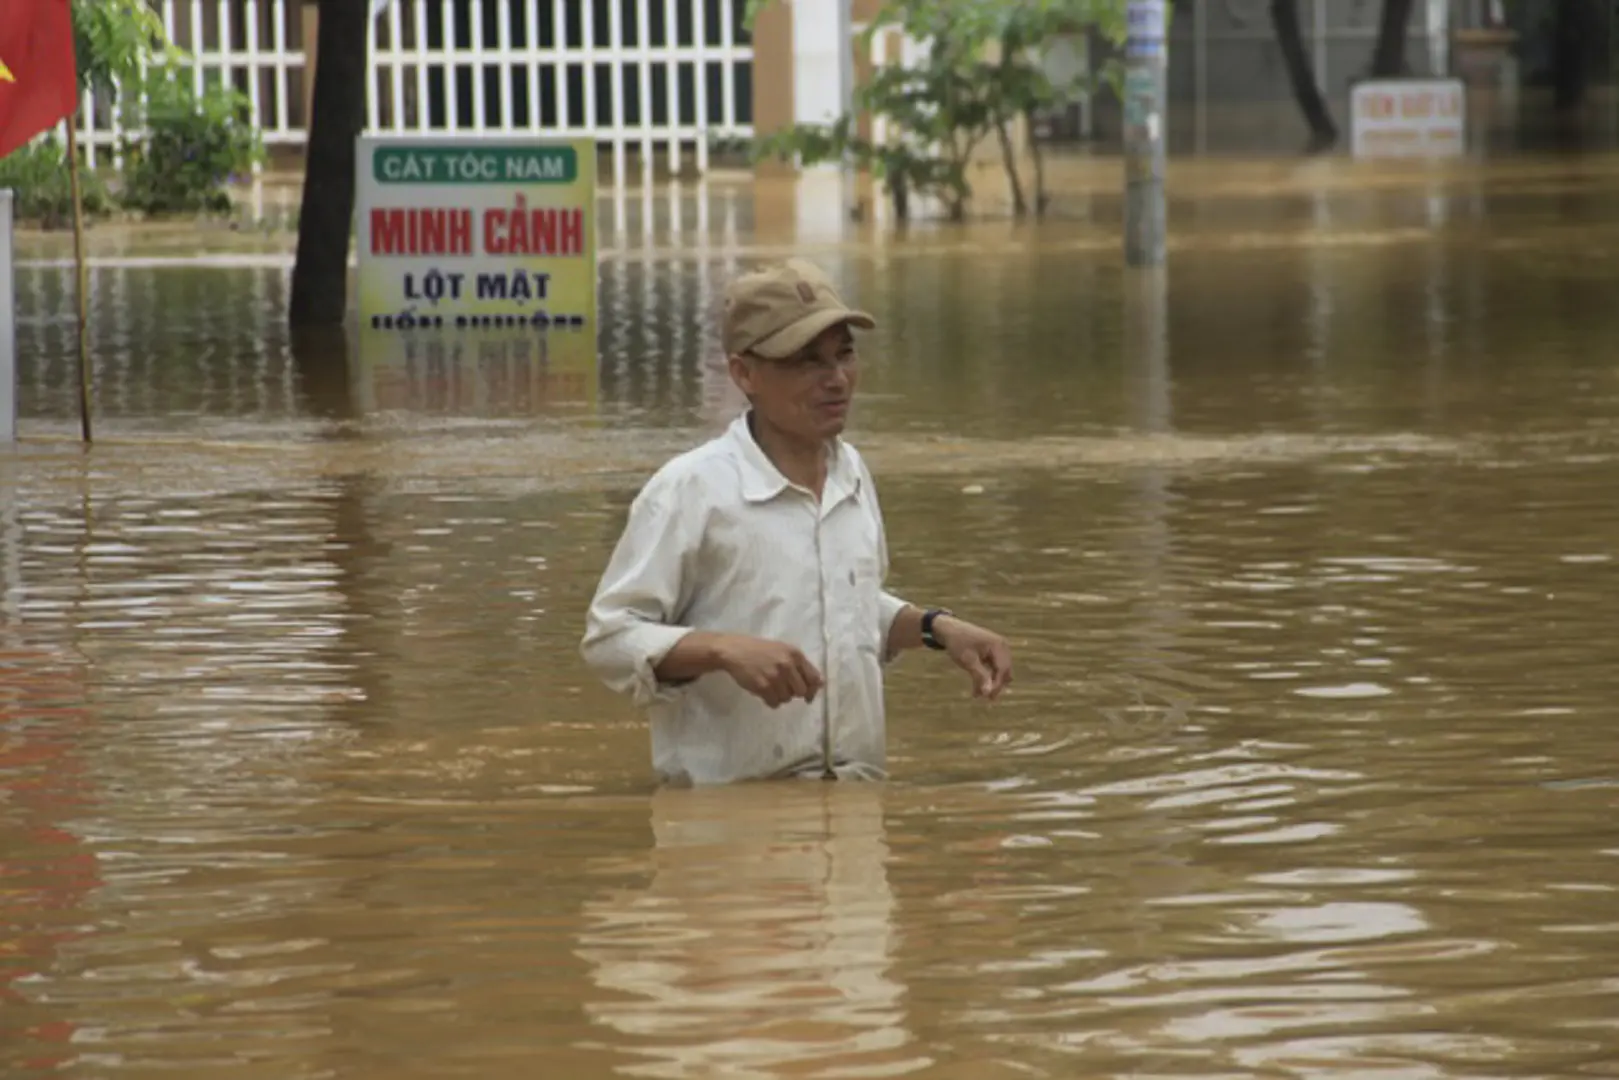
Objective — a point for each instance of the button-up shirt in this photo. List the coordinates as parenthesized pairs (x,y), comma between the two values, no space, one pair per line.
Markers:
(719,540)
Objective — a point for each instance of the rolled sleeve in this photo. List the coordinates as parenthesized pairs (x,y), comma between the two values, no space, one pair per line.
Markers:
(888,608)
(627,661)
(631,624)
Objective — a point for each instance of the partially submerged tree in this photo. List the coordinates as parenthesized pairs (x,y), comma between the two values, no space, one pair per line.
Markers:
(1019,87)
(1284,15)
(1572,43)
(1388,55)
(980,75)
(320,284)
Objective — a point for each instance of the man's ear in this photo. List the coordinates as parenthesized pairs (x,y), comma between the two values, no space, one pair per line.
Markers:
(742,374)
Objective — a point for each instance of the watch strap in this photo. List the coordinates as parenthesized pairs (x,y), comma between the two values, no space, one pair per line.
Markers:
(928,637)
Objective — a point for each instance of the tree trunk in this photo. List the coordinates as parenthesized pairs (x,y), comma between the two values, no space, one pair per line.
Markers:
(1388,58)
(320,355)
(1284,15)
(1040,198)
(900,193)
(1020,205)
(1569,74)
(337,117)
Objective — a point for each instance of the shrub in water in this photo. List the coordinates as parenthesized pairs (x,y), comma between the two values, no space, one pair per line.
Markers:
(38,174)
(192,147)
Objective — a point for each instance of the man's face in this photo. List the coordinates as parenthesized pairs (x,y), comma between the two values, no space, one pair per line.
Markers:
(807,395)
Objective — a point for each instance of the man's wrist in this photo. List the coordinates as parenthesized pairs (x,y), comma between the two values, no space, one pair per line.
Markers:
(699,653)
(933,627)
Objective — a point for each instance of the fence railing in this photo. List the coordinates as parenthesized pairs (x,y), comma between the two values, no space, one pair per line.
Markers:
(257,46)
(641,76)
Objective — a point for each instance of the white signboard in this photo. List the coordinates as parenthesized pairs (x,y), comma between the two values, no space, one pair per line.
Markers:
(1409,118)
(477,256)
(476,232)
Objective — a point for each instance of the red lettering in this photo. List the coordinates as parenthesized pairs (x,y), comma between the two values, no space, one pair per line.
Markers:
(460,232)
(521,231)
(542,234)
(387,232)
(519,238)
(1416,105)
(573,232)
(433,229)
(421,232)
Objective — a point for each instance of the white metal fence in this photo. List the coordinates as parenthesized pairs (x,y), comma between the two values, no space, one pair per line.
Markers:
(255,45)
(642,76)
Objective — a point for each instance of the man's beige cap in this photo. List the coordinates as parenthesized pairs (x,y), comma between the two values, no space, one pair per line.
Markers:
(776,311)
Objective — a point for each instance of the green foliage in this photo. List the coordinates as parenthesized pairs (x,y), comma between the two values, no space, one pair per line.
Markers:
(192,147)
(193,144)
(980,74)
(38,174)
(118,42)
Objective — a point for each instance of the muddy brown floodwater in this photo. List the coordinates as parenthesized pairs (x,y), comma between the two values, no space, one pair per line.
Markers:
(1306,546)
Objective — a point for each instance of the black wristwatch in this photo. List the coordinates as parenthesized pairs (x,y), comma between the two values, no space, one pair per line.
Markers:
(928,616)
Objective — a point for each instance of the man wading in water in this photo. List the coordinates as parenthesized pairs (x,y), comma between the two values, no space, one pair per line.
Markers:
(743,605)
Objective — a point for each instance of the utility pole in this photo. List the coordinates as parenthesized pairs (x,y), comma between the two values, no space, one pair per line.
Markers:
(1146,86)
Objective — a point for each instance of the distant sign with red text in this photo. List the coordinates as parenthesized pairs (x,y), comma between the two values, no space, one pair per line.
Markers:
(1409,118)
(476,233)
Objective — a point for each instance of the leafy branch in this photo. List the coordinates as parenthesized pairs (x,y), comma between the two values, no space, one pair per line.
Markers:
(980,75)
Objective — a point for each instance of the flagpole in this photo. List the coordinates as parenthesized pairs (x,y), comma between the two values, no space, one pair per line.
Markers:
(80,274)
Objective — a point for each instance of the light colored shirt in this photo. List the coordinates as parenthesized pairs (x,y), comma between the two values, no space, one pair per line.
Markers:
(719,540)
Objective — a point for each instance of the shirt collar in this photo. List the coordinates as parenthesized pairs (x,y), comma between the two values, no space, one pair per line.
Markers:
(762,481)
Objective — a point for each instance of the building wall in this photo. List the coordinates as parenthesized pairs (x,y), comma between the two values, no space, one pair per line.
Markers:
(772,79)
(778,91)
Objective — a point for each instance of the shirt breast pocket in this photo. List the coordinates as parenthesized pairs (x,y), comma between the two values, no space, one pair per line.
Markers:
(862,584)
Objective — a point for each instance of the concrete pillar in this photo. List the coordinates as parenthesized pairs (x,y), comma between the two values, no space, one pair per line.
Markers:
(805,67)
(772,79)
(822,88)
(823,79)
(311,39)
(1437,26)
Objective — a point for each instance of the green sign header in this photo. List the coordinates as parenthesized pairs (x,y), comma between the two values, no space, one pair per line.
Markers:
(475,165)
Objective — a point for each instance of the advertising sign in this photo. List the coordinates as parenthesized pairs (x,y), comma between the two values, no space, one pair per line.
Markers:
(1409,118)
(477,265)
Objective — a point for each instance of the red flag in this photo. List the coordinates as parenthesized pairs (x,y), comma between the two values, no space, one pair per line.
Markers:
(39,84)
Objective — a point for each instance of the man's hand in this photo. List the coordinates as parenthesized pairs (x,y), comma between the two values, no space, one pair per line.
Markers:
(981,653)
(771,671)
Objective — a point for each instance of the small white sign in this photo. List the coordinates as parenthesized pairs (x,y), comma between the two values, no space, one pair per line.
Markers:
(1409,118)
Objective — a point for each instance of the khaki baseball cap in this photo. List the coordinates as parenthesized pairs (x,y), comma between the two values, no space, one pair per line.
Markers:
(778,310)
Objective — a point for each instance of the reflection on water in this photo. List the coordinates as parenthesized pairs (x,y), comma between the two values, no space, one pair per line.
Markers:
(42,784)
(1306,546)
(768,910)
